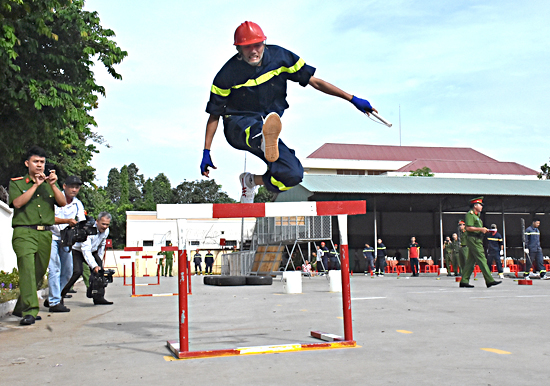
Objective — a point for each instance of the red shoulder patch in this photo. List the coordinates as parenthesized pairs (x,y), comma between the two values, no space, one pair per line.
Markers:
(17,178)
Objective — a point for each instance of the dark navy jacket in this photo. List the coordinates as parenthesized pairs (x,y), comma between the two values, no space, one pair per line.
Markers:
(495,241)
(242,89)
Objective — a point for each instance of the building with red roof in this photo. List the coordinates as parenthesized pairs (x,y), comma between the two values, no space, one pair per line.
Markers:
(448,162)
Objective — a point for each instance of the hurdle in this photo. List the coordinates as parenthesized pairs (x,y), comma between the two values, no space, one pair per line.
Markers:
(133,284)
(182,212)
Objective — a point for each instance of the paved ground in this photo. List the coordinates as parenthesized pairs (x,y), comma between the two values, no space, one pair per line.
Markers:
(417,331)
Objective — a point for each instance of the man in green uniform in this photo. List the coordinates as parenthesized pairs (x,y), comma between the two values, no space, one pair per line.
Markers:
(448,253)
(33,202)
(463,251)
(456,250)
(168,261)
(476,255)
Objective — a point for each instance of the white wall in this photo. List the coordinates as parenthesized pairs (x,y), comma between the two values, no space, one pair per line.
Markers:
(8,260)
(144,225)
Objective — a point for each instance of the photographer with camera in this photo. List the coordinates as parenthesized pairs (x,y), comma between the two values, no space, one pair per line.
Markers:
(61,259)
(91,252)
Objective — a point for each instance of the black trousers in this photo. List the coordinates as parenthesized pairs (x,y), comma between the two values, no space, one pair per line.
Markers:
(494,256)
(415,269)
(78,264)
(380,265)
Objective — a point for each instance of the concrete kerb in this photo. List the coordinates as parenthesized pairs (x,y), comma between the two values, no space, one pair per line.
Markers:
(7,307)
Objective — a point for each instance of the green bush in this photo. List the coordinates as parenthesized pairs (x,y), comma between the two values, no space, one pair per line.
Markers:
(9,280)
(9,283)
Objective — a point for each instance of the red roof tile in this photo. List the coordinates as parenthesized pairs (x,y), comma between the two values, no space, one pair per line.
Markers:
(469,167)
(397,153)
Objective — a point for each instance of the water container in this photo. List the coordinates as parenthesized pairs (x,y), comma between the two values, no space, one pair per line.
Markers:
(292,282)
(335,280)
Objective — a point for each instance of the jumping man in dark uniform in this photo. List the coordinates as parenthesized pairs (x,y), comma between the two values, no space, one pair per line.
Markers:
(249,92)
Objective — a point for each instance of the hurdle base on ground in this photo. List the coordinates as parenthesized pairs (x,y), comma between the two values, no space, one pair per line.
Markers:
(174,346)
(525,282)
(145,295)
(326,336)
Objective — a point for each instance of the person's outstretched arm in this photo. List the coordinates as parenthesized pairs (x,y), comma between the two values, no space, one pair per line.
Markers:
(362,104)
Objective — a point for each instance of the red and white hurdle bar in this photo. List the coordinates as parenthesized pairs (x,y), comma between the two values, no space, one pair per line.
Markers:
(173,249)
(182,212)
(138,249)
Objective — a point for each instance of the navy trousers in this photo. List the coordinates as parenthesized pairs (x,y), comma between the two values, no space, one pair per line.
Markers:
(244,133)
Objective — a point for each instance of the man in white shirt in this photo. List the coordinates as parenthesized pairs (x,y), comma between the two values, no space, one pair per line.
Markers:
(61,261)
(91,252)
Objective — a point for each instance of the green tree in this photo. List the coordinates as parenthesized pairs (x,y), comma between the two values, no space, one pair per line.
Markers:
(135,183)
(423,172)
(264,195)
(47,86)
(124,186)
(544,172)
(148,202)
(203,191)
(162,190)
(113,185)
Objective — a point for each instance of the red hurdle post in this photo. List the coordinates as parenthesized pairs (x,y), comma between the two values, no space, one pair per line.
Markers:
(344,270)
(184,316)
(133,278)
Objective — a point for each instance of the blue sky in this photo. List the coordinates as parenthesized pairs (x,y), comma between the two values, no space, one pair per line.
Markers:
(466,74)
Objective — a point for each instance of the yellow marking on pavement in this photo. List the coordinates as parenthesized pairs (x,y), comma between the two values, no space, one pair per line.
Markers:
(168,358)
(340,317)
(303,310)
(404,331)
(496,351)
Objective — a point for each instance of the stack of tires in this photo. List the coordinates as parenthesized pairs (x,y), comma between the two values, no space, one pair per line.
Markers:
(237,280)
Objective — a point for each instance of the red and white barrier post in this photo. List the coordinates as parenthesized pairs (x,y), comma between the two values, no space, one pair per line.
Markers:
(346,290)
(183,305)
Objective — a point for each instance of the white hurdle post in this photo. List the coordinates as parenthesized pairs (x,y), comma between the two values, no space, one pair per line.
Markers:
(182,212)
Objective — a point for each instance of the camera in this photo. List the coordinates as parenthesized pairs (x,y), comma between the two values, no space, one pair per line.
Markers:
(48,167)
(108,275)
(98,282)
(78,233)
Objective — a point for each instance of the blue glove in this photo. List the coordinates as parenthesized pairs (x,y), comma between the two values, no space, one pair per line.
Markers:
(206,162)
(362,105)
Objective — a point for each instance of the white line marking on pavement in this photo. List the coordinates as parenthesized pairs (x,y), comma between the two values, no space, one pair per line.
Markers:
(370,298)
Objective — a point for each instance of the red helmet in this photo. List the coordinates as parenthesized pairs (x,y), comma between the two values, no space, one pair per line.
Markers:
(248,33)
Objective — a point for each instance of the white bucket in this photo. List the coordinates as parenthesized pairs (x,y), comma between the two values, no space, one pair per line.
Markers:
(292,282)
(335,280)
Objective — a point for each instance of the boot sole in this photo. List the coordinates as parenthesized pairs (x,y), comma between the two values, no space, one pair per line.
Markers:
(271,131)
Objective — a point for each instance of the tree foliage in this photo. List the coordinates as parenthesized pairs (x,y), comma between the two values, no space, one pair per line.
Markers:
(422,172)
(264,195)
(544,172)
(47,86)
(126,191)
(203,191)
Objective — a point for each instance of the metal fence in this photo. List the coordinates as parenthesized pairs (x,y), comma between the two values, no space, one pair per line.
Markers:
(237,263)
(270,230)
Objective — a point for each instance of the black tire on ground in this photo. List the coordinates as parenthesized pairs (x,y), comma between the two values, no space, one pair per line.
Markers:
(259,280)
(231,280)
(211,280)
